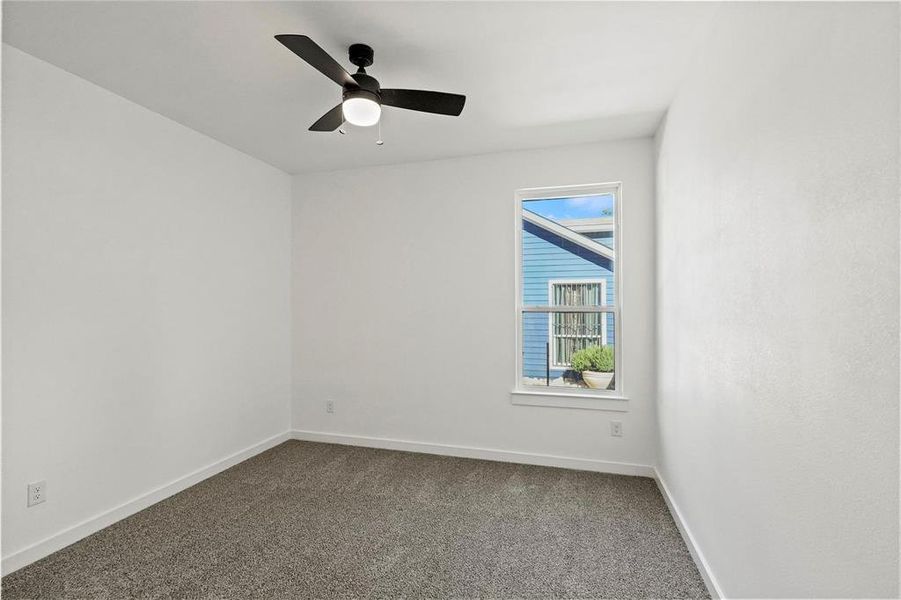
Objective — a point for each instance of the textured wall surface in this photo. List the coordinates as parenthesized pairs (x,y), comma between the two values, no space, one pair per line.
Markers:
(778,300)
(145,300)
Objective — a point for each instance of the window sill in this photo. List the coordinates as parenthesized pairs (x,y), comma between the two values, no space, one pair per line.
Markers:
(570,400)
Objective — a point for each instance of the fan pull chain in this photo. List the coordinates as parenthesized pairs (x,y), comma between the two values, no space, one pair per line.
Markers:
(379,141)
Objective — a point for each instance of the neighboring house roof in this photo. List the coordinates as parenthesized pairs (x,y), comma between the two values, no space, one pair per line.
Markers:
(596,225)
(570,235)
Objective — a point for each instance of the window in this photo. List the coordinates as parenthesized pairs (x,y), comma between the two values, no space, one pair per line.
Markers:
(568,290)
(571,332)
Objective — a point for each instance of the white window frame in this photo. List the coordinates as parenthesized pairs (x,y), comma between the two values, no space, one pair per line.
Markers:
(550,300)
(571,397)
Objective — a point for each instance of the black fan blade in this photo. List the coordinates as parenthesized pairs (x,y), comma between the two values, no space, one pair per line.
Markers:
(431,102)
(330,121)
(318,58)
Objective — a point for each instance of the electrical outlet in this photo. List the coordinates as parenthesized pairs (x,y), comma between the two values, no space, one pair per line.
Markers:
(329,406)
(616,428)
(37,492)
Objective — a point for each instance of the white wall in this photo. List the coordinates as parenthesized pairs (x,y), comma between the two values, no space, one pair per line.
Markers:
(146,299)
(404,297)
(777,309)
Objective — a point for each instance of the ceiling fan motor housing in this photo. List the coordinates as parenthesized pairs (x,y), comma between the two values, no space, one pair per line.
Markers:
(367,82)
(361,93)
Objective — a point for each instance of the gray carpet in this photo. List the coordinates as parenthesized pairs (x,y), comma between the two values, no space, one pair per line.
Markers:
(307,520)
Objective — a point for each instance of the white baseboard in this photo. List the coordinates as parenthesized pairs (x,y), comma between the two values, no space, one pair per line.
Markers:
(713,586)
(545,460)
(49,545)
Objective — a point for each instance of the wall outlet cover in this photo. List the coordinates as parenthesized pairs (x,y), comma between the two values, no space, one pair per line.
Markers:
(37,492)
(616,428)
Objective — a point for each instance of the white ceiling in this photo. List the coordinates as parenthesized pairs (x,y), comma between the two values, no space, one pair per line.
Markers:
(535,74)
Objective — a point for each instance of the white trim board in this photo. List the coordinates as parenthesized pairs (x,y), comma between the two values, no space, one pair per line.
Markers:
(511,456)
(81,530)
(713,586)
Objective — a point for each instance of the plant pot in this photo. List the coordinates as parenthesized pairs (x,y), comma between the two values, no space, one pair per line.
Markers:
(597,380)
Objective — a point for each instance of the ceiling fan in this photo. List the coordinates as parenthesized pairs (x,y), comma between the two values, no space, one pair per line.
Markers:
(362,98)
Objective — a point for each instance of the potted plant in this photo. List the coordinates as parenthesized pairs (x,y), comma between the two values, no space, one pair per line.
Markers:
(595,364)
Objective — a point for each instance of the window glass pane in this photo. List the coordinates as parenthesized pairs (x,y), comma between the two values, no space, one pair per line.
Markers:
(568,350)
(568,240)
(574,331)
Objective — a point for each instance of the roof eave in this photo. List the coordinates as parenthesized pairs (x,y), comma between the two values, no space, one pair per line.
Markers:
(568,234)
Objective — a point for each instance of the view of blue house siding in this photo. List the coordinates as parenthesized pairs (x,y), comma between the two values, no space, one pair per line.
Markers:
(547,256)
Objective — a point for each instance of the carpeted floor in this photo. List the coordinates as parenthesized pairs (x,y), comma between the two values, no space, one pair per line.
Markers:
(307,520)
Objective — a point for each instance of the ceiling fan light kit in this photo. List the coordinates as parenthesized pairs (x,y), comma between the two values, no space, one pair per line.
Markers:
(361,110)
(362,97)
